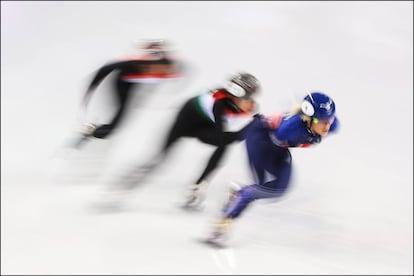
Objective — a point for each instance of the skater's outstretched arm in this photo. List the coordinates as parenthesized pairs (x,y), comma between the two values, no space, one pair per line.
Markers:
(102,73)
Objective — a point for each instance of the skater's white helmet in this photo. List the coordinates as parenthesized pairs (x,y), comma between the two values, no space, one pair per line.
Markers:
(242,85)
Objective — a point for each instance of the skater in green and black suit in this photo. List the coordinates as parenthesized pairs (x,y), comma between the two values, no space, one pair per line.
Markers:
(203,117)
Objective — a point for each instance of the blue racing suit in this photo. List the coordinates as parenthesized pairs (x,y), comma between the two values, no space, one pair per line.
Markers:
(270,159)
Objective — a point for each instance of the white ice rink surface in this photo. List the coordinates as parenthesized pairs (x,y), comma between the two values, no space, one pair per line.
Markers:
(350,208)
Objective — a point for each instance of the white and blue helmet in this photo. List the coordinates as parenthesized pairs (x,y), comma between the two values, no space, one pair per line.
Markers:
(318,105)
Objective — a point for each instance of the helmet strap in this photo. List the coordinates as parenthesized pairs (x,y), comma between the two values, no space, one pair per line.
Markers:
(310,124)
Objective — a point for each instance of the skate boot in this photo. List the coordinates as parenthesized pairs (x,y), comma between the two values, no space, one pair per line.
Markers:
(234,188)
(87,129)
(219,236)
(196,196)
(85,132)
(233,191)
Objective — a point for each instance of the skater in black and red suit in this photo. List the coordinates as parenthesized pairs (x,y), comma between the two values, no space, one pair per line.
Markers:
(154,67)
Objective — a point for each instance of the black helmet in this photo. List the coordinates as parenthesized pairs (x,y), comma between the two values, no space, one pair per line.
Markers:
(242,85)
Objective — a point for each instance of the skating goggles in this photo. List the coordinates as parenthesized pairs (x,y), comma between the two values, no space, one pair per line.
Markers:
(323,121)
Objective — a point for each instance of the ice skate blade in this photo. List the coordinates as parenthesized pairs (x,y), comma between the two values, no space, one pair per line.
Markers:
(213,243)
(192,208)
(105,208)
(77,143)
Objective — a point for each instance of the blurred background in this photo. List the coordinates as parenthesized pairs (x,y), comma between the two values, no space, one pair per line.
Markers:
(350,210)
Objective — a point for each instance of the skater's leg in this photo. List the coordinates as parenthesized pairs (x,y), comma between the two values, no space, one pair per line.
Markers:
(238,203)
(208,135)
(262,159)
(122,93)
(136,175)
